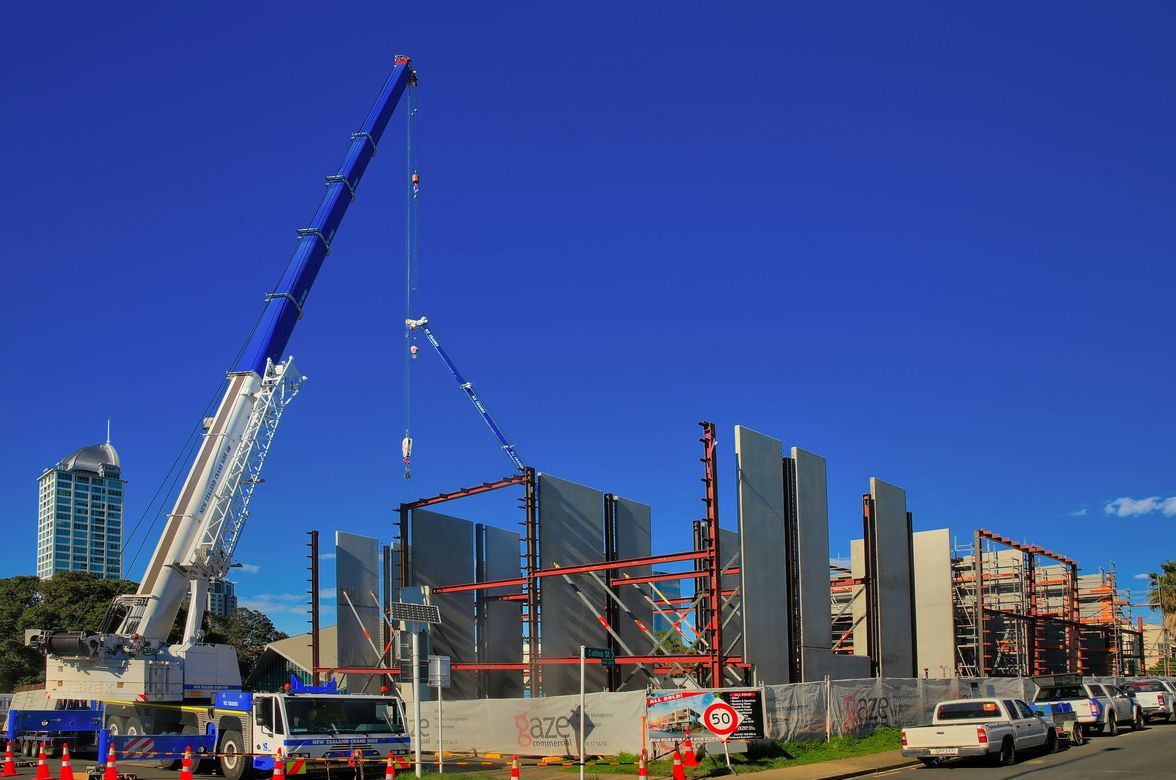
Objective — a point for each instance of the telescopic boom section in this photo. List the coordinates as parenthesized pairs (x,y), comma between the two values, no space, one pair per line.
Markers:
(284,305)
(210,512)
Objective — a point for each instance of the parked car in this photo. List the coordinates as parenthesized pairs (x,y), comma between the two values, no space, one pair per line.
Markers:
(996,728)
(1125,709)
(1153,697)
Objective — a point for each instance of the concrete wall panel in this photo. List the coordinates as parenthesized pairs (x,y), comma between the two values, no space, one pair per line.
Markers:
(896,652)
(503,625)
(857,557)
(571,531)
(818,663)
(357,574)
(934,618)
(762,532)
(633,524)
(812,527)
(443,554)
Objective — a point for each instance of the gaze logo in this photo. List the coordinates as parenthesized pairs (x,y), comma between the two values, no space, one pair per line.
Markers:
(545,732)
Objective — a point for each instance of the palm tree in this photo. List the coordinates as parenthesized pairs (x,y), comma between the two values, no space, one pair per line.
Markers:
(1161,594)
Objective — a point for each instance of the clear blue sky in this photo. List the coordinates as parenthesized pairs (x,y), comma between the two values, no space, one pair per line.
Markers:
(933,244)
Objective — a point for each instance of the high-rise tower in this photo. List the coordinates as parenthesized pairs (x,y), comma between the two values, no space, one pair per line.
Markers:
(80,514)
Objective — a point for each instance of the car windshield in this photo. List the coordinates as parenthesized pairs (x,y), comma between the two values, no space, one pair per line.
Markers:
(1061,694)
(340,715)
(966,710)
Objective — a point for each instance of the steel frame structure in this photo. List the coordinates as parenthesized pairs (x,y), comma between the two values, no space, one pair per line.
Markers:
(707,662)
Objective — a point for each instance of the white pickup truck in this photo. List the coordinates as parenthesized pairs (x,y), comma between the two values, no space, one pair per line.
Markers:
(1100,708)
(996,728)
(1154,698)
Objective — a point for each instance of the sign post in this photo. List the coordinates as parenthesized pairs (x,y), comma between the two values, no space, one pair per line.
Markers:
(416,613)
(439,678)
(582,707)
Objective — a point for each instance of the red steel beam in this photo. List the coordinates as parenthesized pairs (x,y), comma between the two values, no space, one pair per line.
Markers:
(582,568)
(485,487)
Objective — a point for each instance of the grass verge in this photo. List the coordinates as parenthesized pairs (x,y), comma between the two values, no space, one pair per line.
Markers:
(779,755)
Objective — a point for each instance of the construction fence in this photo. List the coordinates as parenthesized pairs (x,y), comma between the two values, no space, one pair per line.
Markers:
(549,726)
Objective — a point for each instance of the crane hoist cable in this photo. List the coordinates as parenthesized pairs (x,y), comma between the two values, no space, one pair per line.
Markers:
(411,241)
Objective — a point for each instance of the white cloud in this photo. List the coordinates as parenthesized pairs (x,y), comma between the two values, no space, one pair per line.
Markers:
(328,557)
(1131,507)
(1078,512)
(1144,576)
(330,593)
(275,603)
(248,568)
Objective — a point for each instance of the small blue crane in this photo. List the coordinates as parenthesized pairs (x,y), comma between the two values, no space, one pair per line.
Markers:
(423,325)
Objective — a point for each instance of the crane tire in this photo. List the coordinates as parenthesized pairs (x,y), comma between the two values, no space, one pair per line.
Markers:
(235,763)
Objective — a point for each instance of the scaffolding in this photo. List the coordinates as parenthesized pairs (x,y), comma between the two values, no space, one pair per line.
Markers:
(1021,609)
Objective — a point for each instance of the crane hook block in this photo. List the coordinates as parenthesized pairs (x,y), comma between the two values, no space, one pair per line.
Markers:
(406,449)
(413,350)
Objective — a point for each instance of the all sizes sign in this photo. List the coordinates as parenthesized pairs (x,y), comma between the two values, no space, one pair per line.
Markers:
(706,715)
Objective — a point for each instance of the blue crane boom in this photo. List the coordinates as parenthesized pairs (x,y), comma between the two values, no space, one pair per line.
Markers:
(468,389)
(284,305)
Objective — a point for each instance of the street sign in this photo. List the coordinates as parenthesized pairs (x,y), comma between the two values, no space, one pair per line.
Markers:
(721,719)
(607,657)
(414,613)
(439,676)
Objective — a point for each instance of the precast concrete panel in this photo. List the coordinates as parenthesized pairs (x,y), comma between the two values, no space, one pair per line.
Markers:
(633,522)
(857,566)
(818,663)
(934,617)
(571,531)
(894,588)
(812,535)
(762,534)
(357,576)
(443,554)
(504,619)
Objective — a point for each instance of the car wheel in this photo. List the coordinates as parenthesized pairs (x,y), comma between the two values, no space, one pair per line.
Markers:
(235,762)
(1137,724)
(1077,735)
(1051,742)
(1112,727)
(1008,752)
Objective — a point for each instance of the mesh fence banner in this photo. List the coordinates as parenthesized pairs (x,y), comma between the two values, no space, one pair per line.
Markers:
(546,726)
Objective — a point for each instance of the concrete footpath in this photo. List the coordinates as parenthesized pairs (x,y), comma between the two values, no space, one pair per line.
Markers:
(855,766)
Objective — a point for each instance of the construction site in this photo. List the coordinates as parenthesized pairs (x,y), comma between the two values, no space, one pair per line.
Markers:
(516,606)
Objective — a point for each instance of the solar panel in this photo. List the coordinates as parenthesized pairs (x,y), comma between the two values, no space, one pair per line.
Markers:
(414,613)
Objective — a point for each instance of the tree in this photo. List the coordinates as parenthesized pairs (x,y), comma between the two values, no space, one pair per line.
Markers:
(1161,594)
(18,664)
(247,630)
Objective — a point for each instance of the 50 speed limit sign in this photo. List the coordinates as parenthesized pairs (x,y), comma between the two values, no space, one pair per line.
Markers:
(721,719)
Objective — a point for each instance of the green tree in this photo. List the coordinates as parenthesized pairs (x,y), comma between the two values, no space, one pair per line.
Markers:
(1161,594)
(247,630)
(18,664)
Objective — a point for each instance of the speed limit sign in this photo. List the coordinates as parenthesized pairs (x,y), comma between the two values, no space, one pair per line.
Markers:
(721,719)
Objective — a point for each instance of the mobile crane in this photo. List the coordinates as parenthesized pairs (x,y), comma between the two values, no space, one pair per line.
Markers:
(131,666)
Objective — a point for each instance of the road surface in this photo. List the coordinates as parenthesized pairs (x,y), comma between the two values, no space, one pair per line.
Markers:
(1143,755)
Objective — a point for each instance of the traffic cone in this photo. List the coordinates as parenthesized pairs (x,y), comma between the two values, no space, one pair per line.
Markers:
(514,768)
(688,756)
(66,767)
(9,761)
(642,771)
(679,772)
(111,770)
(390,769)
(279,766)
(186,764)
(43,765)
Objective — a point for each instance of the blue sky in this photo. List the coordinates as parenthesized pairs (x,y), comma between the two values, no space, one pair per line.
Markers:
(931,243)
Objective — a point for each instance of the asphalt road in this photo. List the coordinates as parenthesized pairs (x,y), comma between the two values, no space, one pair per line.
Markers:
(1142,755)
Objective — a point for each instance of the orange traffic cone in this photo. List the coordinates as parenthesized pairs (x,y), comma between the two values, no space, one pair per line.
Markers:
(679,772)
(279,766)
(43,765)
(110,772)
(642,771)
(186,764)
(390,769)
(9,761)
(688,756)
(514,768)
(66,767)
